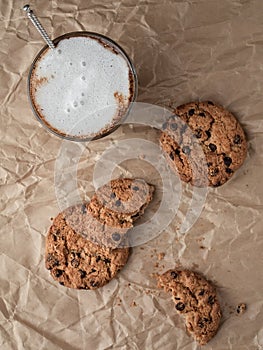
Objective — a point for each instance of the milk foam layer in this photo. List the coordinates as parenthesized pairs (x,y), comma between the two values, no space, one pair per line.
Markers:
(76,86)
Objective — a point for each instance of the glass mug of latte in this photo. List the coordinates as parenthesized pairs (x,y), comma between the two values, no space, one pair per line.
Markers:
(82,88)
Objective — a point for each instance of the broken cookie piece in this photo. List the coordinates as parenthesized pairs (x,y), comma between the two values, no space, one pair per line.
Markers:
(195,298)
(111,212)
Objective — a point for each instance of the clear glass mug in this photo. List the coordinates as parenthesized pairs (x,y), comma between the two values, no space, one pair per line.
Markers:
(117,122)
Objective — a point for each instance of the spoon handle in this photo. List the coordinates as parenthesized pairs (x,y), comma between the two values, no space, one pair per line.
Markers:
(38,26)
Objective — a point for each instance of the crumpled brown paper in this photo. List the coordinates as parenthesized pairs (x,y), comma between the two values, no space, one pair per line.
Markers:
(182,50)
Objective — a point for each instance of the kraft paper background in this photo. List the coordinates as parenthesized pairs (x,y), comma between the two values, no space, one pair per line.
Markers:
(182,51)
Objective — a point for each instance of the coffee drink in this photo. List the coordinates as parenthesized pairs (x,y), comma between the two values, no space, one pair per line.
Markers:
(83,88)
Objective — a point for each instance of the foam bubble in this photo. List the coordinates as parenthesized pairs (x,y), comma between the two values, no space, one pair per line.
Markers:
(94,82)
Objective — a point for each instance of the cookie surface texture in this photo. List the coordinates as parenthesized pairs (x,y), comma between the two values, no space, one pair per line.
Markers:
(76,262)
(114,208)
(221,139)
(195,298)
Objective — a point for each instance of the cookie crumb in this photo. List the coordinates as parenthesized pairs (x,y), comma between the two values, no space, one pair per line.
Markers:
(202,247)
(156,264)
(241,308)
(161,256)
(133,303)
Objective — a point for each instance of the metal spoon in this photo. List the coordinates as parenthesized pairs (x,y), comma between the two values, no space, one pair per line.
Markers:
(38,25)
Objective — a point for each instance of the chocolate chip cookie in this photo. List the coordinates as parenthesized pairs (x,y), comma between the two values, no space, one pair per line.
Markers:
(204,143)
(115,207)
(195,298)
(76,262)
(79,244)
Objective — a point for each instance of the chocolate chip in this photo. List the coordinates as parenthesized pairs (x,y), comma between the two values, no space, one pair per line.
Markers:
(198,135)
(214,172)
(58,273)
(57,232)
(118,203)
(210,103)
(93,270)
(237,139)
(217,184)
(116,236)
(211,300)
(107,261)
(171,155)
(164,126)
(208,133)
(209,164)
(55,238)
(173,126)
(206,319)
(82,273)
(62,283)
(50,257)
(227,161)
(212,147)
(191,112)
(112,195)
(200,324)
(184,127)
(180,306)
(174,274)
(202,114)
(74,262)
(51,261)
(186,150)
(98,258)
(177,151)
(135,188)
(202,292)
(229,171)
(94,284)
(83,209)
